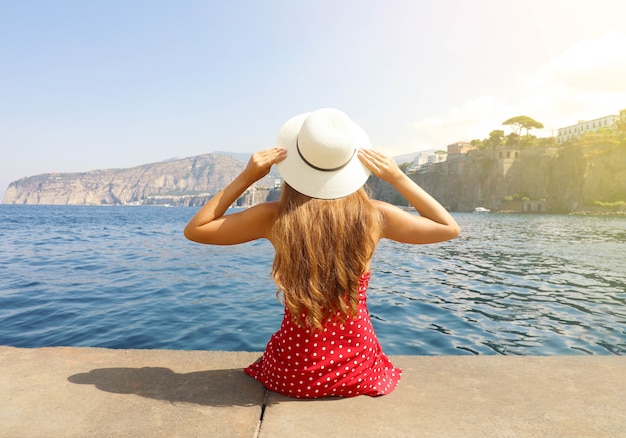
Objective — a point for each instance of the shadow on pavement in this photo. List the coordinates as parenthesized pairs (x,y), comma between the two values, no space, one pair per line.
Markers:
(230,387)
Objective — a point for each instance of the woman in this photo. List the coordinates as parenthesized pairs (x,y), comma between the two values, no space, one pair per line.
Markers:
(324,229)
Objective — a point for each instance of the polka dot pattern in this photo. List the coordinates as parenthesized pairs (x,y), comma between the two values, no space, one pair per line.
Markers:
(343,360)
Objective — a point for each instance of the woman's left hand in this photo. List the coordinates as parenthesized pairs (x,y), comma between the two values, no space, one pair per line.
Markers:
(261,162)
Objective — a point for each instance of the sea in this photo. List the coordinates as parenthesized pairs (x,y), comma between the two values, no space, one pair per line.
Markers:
(125,277)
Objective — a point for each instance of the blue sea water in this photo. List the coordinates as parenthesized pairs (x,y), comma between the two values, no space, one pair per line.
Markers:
(125,277)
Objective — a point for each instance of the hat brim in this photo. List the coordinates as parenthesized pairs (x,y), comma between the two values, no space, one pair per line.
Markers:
(315,183)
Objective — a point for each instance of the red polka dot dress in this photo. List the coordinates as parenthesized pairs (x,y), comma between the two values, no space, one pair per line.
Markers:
(343,360)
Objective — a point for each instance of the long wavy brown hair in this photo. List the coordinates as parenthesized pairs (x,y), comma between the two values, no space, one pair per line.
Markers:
(322,248)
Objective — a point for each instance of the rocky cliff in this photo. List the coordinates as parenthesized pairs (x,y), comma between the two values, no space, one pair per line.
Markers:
(565,179)
(189,181)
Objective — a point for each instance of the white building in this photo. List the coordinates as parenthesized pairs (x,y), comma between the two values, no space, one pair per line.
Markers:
(426,159)
(571,132)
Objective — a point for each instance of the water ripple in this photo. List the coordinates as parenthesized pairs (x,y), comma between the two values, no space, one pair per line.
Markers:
(126,278)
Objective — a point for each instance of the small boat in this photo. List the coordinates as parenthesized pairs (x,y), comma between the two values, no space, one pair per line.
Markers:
(481,210)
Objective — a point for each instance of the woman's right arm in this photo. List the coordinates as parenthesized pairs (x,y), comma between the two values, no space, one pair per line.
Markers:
(434,223)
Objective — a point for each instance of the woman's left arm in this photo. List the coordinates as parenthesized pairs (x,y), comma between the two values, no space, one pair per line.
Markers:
(210,225)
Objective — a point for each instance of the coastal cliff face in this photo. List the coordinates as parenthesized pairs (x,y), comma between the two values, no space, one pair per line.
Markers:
(604,176)
(567,179)
(189,181)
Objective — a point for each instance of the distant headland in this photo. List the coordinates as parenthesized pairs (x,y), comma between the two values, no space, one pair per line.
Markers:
(583,169)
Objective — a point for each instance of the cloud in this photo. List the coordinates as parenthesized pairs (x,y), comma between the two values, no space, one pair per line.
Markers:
(585,82)
(474,119)
(592,65)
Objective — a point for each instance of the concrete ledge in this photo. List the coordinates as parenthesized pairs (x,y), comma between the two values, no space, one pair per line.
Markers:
(79,392)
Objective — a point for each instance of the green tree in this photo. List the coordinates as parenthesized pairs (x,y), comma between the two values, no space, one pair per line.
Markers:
(496,138)
(512,139)
(593,139)
(477,143)
(546,142)
(522,122)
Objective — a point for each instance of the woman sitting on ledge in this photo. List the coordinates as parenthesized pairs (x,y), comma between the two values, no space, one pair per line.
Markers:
(324,229)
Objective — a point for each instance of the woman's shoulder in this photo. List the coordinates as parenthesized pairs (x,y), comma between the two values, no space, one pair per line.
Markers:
(377,203)
(267,206)
(383,206)
(268,210)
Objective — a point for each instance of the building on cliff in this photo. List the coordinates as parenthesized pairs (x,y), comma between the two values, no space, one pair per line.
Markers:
(460,148)
(457,154)
(569,133)
(424,160)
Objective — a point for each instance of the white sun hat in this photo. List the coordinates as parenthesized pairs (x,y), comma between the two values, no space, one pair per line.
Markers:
(321,154)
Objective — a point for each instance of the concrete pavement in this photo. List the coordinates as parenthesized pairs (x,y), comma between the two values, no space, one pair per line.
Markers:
(93,392)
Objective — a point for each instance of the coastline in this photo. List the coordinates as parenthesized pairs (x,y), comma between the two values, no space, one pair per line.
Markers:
(597,213)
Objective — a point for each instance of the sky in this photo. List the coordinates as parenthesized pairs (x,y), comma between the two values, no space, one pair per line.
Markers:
(112,84)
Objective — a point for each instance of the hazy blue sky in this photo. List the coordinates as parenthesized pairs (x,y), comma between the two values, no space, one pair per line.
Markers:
(100,84)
